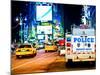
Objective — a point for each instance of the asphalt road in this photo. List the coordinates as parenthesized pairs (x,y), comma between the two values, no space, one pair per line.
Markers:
(45,62)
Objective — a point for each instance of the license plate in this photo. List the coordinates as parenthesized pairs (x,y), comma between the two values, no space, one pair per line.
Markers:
(23,50)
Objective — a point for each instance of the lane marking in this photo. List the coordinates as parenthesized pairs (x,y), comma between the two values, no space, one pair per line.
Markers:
(32,61)
(39,55)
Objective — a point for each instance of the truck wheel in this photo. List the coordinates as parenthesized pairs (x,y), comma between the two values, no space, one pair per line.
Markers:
(69,63)
(92,63)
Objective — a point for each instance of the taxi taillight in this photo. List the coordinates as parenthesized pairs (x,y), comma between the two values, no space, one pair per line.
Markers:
(27,50)
(62,44)
(31,49)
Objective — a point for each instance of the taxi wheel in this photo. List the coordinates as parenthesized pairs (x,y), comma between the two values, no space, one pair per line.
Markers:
(46,51)
(17,56)
(32,55)
(35,54)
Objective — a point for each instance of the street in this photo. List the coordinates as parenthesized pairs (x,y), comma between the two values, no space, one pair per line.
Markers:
(68,28)
(44,62)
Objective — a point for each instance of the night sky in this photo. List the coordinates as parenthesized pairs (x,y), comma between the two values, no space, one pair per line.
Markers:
(17,7)
(71,15)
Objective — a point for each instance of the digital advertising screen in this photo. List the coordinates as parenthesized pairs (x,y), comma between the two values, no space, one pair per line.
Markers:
(40,36)
(44,29)
(44,13)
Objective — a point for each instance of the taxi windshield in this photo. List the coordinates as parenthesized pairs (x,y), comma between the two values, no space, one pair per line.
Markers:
(25,46)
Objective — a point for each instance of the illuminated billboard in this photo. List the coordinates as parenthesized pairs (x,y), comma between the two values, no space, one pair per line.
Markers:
(40,36)
(44,29)
(43,13)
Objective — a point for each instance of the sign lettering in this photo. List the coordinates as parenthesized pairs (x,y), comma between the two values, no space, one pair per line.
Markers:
(84,40)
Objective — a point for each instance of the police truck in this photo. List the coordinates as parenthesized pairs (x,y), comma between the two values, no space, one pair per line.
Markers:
(80,45)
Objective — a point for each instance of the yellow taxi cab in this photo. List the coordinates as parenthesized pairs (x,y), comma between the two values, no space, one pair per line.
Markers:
(50,47)
(25,50)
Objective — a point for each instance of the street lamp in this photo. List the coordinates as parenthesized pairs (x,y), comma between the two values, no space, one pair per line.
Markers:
(25,19)
(21,20)
(17,19)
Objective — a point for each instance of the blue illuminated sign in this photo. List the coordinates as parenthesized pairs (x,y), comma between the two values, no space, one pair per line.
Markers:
(84,39)
(68,39)
(83,48)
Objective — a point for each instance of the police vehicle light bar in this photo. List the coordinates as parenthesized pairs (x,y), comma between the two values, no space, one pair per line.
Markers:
(68,44)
